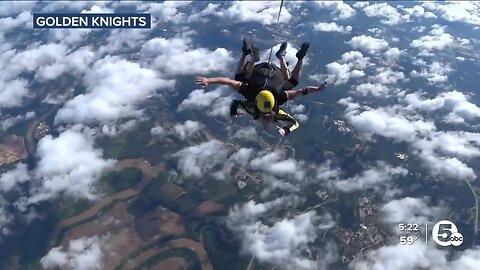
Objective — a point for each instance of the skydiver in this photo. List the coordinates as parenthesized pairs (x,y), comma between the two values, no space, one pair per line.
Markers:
(263,101)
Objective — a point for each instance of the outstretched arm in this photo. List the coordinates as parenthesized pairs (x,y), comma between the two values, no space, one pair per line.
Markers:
(202,81)
(293,94)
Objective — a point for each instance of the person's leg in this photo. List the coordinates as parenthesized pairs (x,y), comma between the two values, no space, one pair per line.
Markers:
(284,68)
(240,73)
(255,57)
(297,70)
(281,57)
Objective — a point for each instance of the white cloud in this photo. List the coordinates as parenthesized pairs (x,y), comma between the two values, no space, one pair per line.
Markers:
(388,76)
(176,56)
(390,15)
(389,123)
(13,8)
(68,164)
(393,54)
(115,87)
(416,11)
(216,102)
(274,163)
(10,179)
(197,160)
(246,133)
(374,177)
(435,72)
(9,24)
(442,152)
(464,11)
(264,12)
(437,40)
(6,218)
(81,254)
(454,101)
(332,27)
(367,43)
(8,122)
(340,9)
(280,243)
(418,255)
(377,89)
(157,131)
(167,11)
(114,130)
(350,66)
(187,129)
(409,210)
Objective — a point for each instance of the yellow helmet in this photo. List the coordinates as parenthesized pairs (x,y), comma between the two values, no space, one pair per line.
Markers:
(265,101)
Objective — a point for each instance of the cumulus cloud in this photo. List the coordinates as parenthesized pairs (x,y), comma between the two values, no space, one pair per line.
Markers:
(280,243)
(418,255)
(13,8)
(453,102)
(409,210)
(115,87)
(367,43)
(112,130)
(332,27)
(187,129)
(437,40)
(377,89)
(352,65)
(8,122)
(168,11)
(467,11)
(443,153)
(216,102)
(10,179)
(274,163)
(389,123)
(82,254)
(175,56)
(340,9)
(434,73)
(379,175)
(388,76)
(390,15)
(6,218)
(195,161)
(68,164)
(264,12)
(157,131)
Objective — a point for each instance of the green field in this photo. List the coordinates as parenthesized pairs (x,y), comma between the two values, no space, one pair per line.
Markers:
(115,182)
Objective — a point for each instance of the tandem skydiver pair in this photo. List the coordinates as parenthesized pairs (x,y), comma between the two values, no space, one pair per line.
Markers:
(266,86)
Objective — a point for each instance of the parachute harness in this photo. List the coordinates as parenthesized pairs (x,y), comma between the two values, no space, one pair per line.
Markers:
(276,29)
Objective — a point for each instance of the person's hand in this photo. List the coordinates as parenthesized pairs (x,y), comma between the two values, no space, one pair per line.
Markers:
(202,81)
(282,131)
(322,86)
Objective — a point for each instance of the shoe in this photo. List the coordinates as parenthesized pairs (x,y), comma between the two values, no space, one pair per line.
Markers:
(246,48)
(303,50)
(282,51)
(255,55)
(234,108)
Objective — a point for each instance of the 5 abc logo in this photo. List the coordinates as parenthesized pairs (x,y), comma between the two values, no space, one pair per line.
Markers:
(445,233)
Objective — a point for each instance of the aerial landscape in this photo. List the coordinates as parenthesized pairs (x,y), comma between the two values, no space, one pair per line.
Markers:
(113,157)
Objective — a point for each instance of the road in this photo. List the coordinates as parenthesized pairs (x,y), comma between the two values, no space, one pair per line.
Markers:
(477,209)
